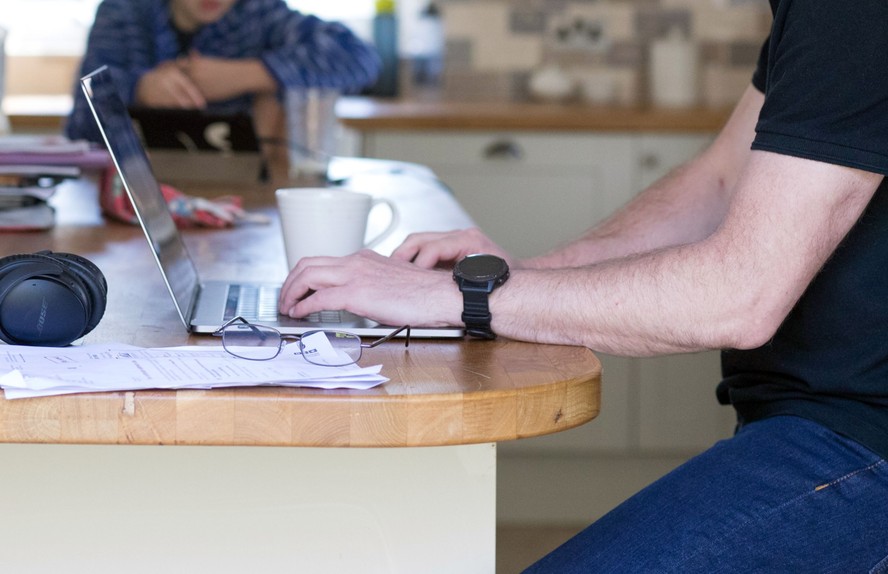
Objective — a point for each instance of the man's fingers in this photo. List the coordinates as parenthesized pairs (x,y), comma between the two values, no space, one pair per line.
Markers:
(307,277)
(187,94)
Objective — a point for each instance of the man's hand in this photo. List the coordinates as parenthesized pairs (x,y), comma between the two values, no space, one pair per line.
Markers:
(222,79)
(444,249)
(213,76)
(391,291)
(167,86)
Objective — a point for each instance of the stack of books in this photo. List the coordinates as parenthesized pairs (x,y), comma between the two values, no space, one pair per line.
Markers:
(24,194)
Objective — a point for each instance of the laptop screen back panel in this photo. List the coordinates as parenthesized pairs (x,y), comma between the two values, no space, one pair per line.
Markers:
(178,269)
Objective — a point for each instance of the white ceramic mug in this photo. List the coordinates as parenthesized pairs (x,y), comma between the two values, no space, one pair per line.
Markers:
(328,221)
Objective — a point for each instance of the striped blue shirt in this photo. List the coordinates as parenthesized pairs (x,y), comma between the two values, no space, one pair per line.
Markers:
(132,37)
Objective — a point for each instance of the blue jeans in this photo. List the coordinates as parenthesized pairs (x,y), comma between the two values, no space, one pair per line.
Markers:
(783,495)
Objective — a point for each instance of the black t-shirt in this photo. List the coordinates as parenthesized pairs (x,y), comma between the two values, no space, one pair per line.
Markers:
(826,98)
(184,39)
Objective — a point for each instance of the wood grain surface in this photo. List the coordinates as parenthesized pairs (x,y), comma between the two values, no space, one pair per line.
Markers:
(440,392)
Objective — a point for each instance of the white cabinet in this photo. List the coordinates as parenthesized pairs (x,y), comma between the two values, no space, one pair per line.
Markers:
(531,191)
(657,154)
(677,408)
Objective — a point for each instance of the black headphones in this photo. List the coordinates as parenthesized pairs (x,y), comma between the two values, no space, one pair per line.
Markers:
(49,299)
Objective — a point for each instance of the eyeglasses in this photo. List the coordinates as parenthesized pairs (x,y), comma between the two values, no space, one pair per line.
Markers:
(325,348)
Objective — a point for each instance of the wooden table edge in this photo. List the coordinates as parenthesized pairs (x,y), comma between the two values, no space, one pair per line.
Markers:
(228,417)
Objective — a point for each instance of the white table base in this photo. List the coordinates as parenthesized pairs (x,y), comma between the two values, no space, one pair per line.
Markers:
(190,509)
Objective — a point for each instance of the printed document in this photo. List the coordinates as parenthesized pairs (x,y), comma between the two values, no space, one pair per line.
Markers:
(42,371)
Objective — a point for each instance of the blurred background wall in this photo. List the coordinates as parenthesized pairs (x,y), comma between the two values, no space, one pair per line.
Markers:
(491,48)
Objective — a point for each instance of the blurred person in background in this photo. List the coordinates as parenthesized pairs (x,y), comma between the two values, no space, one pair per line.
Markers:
(224,56)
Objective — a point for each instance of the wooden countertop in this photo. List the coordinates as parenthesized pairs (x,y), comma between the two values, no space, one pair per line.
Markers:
(370,114)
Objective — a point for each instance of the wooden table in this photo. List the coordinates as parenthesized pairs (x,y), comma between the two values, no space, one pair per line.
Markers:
(224,501)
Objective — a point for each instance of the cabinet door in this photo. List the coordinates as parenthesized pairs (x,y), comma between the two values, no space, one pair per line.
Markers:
(677,409)
(658,154)
(530,192)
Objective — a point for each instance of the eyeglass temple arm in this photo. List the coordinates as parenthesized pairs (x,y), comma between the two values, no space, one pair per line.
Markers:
(389,337)
(228,323)
(240,319)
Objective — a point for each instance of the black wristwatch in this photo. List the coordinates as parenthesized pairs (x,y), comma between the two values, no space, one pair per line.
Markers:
(477,276)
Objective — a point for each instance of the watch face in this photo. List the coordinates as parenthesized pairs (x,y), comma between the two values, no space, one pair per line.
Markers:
(481,267)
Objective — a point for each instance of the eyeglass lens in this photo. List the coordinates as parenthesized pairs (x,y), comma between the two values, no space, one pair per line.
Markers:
(331,348)
(251,341)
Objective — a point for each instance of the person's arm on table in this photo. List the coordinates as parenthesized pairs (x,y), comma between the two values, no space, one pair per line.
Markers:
(220,79)
(168,86)
(727,282)
(684,206)
(305,51)
(729,290)
(300,51)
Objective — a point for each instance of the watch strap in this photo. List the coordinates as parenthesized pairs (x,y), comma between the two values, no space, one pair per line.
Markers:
(476,311)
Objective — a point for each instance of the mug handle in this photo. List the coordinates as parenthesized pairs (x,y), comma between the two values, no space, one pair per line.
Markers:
(393,223)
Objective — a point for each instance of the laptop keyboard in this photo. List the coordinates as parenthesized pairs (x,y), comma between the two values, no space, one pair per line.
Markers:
(258,303)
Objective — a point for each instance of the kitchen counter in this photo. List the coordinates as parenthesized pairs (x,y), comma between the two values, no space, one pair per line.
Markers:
(29,113)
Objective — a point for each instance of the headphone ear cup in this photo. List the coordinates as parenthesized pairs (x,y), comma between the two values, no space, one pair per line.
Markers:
(38,305)
(49,298)
(91,279)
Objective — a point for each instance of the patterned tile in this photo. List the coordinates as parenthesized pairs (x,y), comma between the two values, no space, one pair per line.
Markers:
(494,45)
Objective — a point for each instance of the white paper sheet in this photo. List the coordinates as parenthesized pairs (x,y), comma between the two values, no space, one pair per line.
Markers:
(42,371)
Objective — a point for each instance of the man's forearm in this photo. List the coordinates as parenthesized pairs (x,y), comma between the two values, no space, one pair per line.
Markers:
(251,76)
(685,206)
(729,290)
(221,79)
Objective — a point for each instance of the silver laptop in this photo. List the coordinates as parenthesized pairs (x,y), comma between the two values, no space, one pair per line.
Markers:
(202,306)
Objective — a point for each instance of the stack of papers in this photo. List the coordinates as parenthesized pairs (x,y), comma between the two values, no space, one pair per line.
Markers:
(24,192)
(52,150)
(31,167)
(43,371)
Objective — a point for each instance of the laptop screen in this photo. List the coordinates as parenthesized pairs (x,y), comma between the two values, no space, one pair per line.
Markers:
(195,130)
(177,268)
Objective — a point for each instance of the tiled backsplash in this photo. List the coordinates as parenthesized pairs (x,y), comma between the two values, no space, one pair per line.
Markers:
(495,47)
